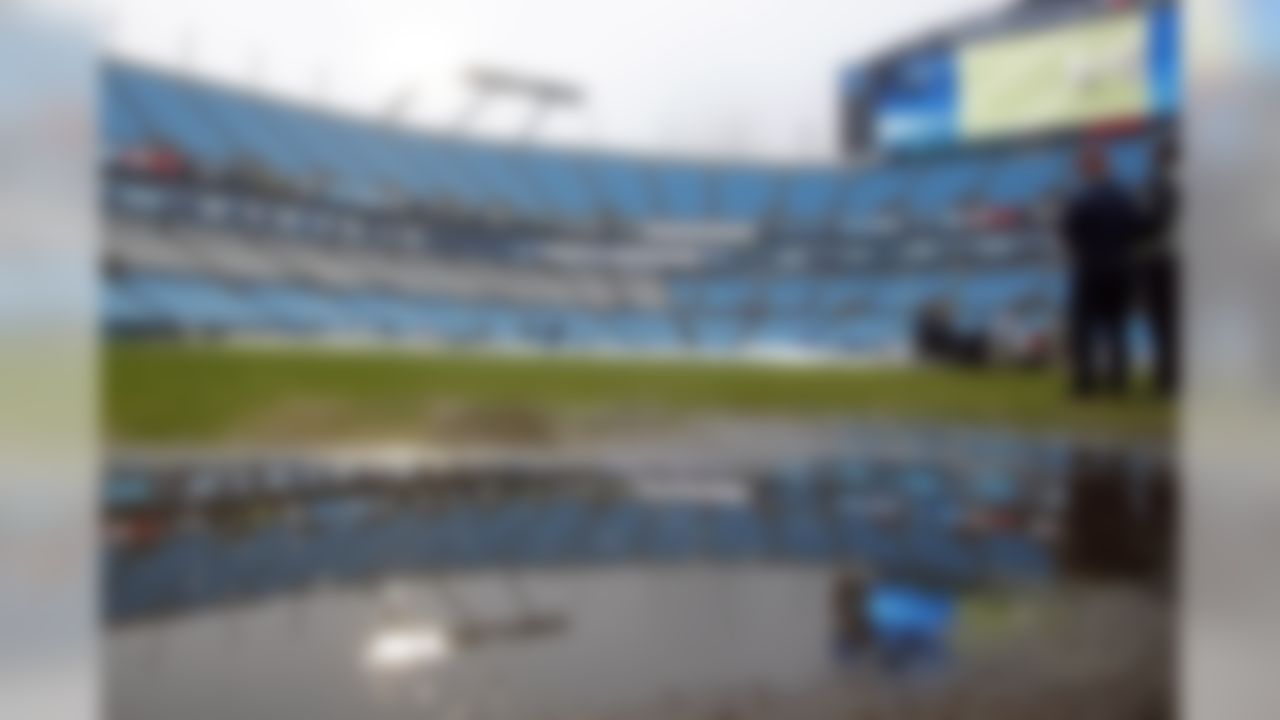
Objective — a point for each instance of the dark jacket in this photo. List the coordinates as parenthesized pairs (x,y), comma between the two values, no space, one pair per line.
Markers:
(1163,213)
(1102,226)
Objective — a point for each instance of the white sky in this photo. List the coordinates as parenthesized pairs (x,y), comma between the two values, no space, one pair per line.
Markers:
(735,77)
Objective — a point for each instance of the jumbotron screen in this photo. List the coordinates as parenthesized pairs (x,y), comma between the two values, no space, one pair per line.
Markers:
(1122,65)
(1071,76)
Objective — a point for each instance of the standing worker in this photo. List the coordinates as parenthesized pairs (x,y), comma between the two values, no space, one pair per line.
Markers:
(1158,272)
(1100,227)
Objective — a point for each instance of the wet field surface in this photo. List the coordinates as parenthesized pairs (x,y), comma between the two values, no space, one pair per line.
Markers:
(742,572)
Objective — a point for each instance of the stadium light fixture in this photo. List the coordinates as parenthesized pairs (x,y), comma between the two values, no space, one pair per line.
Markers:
(544,89)
(543,94)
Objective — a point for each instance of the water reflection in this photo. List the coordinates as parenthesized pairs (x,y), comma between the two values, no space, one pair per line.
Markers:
(401,641)
(841,581)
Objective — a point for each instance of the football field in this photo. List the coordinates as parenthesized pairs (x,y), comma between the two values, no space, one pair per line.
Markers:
(163,393)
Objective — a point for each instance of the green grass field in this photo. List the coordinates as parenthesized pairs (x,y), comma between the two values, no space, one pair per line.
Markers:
(156,393)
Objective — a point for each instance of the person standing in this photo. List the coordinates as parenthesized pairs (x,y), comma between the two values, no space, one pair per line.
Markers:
(1100,227)
(1157,268)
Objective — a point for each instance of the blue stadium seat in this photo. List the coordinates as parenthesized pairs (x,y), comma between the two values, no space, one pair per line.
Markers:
(385,312)
(625,186)
(792,329)
(940,190)
(119,127)
(189,301)
(338,150)
(683,190)
(298,308)
(982,297)
(844,293)
(871,194)
(717,332)
(728,293)
(745,193)
(791,293)
(169,109)
(564,188)
(809,199)
(505,188)
(903,294)
(1026,177)
(868,333)
(644,330)
(122,308)
(262,131)
(445,167)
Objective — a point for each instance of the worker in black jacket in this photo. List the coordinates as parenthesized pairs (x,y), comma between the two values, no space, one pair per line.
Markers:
(1158,272)
(1100,226)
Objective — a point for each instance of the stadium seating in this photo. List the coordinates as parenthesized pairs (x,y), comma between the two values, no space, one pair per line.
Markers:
(301,222)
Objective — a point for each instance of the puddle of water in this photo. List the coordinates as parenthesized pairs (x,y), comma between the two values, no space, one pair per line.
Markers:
(828,582)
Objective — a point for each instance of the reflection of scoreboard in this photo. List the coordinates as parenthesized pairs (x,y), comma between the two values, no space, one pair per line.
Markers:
(1120,65)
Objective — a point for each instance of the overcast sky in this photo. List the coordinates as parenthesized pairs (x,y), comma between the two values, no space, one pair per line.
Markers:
(740,77)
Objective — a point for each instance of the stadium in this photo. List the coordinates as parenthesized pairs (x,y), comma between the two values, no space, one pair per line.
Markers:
(410,423)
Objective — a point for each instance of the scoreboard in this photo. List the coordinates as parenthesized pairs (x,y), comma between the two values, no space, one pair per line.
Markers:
(1116,66)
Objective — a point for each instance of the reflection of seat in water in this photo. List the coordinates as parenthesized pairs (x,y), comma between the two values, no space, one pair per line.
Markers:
(554,540)
(674,532)
(735,532)
(909,519)
(160,579)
